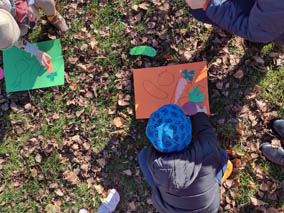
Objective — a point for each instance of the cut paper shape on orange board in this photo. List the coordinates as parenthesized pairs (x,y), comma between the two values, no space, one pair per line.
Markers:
(158,86)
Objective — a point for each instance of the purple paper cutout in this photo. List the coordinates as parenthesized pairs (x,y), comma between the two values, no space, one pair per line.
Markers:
(191,108)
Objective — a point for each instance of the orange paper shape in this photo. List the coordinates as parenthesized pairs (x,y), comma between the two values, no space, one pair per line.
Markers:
(50,66)
(155,87)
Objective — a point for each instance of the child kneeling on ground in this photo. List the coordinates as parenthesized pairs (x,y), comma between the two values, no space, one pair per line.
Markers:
(255,20)
(18,16)
(183,167)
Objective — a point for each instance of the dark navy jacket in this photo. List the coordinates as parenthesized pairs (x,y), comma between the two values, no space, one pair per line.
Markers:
(186,181)
(255,20)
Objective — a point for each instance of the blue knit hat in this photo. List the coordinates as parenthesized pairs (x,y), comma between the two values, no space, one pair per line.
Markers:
(169,129)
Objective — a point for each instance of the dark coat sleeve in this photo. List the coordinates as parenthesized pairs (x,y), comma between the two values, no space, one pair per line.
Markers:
(264,23)
(201,126)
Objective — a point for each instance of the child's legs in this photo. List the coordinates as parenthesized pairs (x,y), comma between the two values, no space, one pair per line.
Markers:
(142,160)
(48,6)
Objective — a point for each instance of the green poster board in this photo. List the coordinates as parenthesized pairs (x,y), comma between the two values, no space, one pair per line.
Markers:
(23,71)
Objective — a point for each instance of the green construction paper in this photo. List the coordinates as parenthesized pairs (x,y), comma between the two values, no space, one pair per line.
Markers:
(195,97)
(23,71)
(143,50)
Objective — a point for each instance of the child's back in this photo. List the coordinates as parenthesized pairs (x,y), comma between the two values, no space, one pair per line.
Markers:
(187,180)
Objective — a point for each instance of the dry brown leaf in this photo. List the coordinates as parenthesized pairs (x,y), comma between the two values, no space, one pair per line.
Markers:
(33,172)
(76,138)
(144,6)
(239,74)
(132,206)
(257,202)
(59,192)
(276,143)
(71,177)
(99,188)
(123,103)
(38,158)
(258,60)
(118,122)
(81,67)
(101,162)
(127,172)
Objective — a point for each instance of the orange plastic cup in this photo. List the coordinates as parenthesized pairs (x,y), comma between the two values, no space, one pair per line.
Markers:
(228,171)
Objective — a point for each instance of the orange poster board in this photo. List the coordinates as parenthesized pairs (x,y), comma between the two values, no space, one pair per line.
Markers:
(185,85)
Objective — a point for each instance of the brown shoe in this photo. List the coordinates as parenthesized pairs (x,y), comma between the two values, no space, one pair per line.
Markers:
(59,22)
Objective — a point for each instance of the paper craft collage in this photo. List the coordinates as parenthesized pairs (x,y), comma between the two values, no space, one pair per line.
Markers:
(184,85)
(23,72)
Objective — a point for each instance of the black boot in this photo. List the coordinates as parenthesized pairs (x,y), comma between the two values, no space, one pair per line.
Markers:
(278,127)
(276,155)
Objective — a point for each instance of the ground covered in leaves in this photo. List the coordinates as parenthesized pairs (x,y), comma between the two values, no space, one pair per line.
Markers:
(63,148)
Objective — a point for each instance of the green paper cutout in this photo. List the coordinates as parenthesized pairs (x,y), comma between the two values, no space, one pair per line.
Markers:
(188,75)
(23,71)
(195,97)
(143,50)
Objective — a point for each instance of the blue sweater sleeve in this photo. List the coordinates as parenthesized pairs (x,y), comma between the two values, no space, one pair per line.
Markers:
(264,23)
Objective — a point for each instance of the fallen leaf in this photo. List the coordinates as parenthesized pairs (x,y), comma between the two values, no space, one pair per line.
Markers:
(276,143)
(258,60)
(101,162)
(50,208)
(38,158)
(127,172)
(71,177)
(59,192)
(257,202)
(99,189)
(239,74)
(123,103)
(132,206)
(118,122)
(73,86)
(144,6)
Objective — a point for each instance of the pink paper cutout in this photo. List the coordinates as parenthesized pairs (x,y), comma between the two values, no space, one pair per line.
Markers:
(181,85)
(1,73)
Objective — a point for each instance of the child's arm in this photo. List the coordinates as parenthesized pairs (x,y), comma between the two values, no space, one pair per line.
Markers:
(34,50)
(28,47)
(201,126)
(263,24)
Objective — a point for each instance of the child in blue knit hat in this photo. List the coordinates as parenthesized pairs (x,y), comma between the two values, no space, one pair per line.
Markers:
(184,164)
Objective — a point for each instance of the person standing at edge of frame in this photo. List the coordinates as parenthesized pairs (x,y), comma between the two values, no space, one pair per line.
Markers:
(18,16)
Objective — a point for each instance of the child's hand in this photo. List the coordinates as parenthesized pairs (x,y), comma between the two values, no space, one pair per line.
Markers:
(195,4)
(42,58)
(33,14)
(201,108)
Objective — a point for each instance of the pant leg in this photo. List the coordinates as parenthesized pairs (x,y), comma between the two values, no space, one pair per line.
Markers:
(200,15)
(243,5)
(142,160)
(222,166)
(48,6)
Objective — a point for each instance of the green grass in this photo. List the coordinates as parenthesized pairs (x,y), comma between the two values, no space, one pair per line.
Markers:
(49,127)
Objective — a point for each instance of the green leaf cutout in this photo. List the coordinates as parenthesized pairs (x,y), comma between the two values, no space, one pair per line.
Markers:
(195,97)
(143,50)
